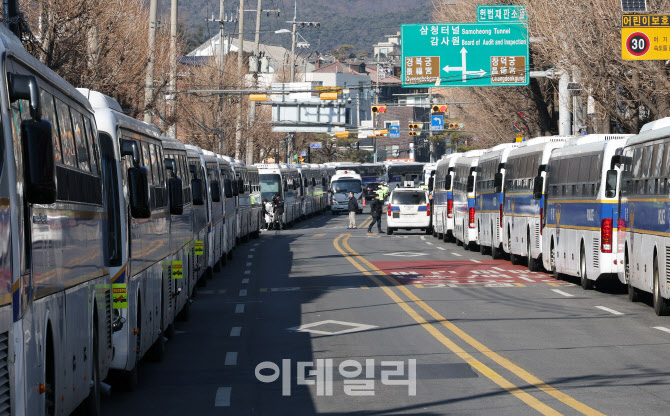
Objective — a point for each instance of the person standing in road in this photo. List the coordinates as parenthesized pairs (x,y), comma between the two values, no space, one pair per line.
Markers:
(278,212)
(352,207)
(376,209)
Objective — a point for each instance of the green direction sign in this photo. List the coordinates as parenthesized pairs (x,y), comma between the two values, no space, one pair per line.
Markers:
(464,55)
(502,14)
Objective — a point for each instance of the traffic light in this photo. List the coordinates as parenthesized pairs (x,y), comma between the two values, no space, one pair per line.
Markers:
(301,159)
(414,133)
(342,134)
(378,108)
(452,126)
(439,108)
(415,126)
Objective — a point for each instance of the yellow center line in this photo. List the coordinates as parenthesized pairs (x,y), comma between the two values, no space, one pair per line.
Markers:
(500,360)
(444,340)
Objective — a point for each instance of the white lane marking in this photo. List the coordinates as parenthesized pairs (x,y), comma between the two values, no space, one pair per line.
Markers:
(222,398)
(249,264)
(247,272)
(475,261)
(250,256)
(231,358)
(526,279)
(456,254)
(560,292)
(252,249)
(245,281)
(235,331)
(612,311)
(239,308)
(243,292)
(499,269)
(429,243)
(441,248)
(423,237)
(662,328)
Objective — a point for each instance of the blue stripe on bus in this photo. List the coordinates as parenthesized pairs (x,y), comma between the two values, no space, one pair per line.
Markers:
(581,213)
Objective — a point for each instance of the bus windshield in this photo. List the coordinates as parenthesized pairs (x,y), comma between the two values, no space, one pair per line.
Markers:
(372,171)
(346,186)
(270,186)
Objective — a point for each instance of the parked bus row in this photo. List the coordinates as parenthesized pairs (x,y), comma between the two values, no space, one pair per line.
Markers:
(593,207)
(107,228)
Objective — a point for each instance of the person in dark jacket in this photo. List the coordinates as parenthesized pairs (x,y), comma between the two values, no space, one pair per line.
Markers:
(278,203)
(376,209)
(352,207)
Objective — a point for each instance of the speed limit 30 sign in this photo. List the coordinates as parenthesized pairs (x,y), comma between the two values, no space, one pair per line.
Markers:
(645,37)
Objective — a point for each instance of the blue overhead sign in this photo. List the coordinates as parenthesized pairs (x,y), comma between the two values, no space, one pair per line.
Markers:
(315,146)
(394,132)
(437,123)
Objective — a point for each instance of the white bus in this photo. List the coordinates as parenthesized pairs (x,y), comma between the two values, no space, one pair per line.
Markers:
(142,286)
(429,171)
(523,209)
(201,214)
(252,188)
(231,192)
(581,201)
(644,227)
(343,182)
(465,176)
(55,292)
(244,210)
(489,199)
(282,180)
(400,173)
(443,202)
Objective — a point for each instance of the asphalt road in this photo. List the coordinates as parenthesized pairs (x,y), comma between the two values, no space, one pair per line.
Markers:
(484,337)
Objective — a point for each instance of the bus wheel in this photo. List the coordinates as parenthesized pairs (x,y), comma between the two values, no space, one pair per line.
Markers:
(660,305)
(552,262)
(633,294)
(587,284)
(440,236)
(513,258)
(446,237)
(435,235)
(389,231)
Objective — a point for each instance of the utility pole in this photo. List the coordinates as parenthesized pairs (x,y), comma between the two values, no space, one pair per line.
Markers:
(252,105)
(149,81)
(172,102)
(240,67)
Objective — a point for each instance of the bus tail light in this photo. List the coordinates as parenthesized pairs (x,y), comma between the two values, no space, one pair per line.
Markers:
(501,214)
(472,217)
(606,235)
(428,210)
(389,210)
(450,208)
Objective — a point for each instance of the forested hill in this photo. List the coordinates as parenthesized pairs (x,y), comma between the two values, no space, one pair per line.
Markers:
(361,23)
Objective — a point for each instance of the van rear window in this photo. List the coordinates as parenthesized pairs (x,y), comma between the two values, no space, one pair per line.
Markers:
(408,198)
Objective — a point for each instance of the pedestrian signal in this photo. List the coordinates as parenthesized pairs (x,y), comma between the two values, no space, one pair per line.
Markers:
(439,108)
(378,108)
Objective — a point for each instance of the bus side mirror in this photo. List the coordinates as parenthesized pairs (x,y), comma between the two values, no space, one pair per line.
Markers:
(25,87)
(228,188)
(240,186)
(176,196)
(39,163)
(130,148)
(431,181)
(538,187)
(198,188)
(215,189)
(171,166)
(138,186)
(236,191)
(610,183)
(498,182)
(471,183)
(617,160)
(447,182)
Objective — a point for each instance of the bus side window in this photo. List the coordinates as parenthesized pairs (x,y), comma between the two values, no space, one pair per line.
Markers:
(147,161)
(80,141)
(66,134)
(49,113)
(92,145)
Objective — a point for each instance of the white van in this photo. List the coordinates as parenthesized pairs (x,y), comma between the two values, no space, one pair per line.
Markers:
(408,208)
(343,182)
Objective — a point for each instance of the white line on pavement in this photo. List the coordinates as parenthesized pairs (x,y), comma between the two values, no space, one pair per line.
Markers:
(560,292)
(222,398)
(247,272)
(475,261)
(249,264)
(245,281)
(662,328)
(423,237)
(429,243)
(456,254)
(499,269)
(239,308)
(231,358)
(526,279)
(243,292)
(250,256)
(235,331)
(252,249)
(441,248)
(612,311)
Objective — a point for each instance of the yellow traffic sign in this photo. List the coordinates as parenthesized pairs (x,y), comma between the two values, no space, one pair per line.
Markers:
(645,37)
